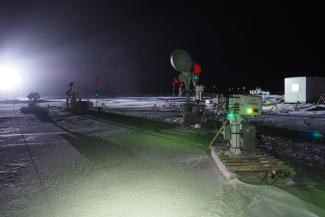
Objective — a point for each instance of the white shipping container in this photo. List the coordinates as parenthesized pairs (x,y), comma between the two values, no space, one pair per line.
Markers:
(303,89)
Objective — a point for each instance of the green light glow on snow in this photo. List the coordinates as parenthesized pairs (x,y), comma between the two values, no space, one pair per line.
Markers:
(317,134)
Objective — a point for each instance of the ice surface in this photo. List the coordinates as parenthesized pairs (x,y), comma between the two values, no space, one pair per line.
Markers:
(100,168)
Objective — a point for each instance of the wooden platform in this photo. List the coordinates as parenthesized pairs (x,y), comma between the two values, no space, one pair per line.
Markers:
(254,165)
(260,162)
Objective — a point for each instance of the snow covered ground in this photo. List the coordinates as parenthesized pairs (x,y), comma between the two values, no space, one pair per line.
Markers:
(86,166)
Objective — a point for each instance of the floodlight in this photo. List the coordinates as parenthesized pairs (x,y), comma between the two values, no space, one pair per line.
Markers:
(9,77)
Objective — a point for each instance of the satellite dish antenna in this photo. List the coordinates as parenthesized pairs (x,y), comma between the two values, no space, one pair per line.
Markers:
(181,60)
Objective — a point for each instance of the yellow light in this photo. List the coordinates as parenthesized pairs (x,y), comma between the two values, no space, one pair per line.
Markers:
(249,111)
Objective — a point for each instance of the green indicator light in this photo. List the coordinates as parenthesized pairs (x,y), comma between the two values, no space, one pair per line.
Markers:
(196,77)
(231,116)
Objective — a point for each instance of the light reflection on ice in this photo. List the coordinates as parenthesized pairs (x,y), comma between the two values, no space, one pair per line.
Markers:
(140,188)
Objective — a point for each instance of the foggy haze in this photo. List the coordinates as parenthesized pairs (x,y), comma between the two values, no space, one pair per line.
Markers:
(128,44)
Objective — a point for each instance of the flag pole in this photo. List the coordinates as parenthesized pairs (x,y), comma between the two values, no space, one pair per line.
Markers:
(97,81)
(96,93)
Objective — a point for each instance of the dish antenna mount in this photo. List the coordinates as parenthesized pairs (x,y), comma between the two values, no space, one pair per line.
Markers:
(182,62)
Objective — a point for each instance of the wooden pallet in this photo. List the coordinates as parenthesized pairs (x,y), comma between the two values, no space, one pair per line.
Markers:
(254,168)
(258,163)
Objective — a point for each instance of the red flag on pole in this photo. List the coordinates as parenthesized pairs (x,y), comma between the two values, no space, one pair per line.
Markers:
(197,69)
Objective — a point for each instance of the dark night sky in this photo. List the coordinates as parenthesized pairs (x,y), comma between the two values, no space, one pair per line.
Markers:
(128,43)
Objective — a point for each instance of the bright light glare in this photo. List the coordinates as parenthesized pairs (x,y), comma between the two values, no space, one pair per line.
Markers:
(9,78)
(295,88)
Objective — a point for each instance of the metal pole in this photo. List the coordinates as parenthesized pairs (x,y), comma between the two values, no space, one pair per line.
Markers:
(96,94)
(217,134)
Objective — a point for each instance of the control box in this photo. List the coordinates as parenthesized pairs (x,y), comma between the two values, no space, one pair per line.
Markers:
(245,105)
